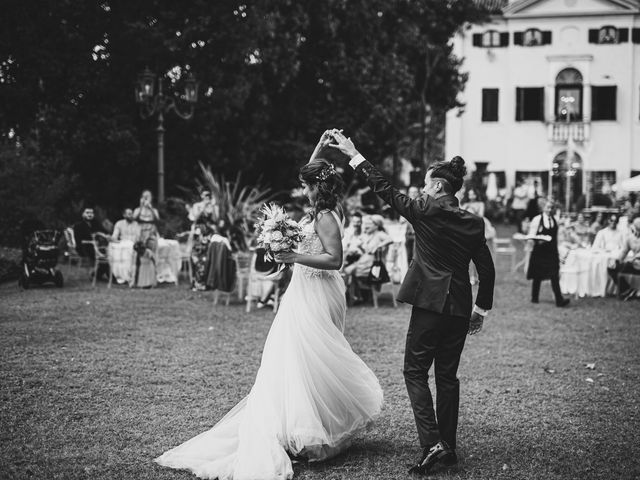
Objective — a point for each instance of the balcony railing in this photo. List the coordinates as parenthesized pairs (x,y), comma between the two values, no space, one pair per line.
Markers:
(562,131)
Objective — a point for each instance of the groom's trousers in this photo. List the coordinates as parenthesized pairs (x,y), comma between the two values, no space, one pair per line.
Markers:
(438,339)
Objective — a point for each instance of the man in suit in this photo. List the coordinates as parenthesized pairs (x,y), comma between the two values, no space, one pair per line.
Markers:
(437,285)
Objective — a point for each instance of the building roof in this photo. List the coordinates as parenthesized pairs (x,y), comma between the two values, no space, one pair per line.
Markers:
(493,6)
(499,6)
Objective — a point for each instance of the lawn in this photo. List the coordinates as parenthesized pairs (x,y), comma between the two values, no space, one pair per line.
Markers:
(95,383)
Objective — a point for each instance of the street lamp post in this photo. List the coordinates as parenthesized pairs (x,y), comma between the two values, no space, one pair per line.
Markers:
(159,103)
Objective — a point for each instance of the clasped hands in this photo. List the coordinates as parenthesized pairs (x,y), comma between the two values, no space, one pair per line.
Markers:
(334,138)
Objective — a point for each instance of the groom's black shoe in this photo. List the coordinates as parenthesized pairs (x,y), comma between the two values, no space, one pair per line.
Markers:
(439,453)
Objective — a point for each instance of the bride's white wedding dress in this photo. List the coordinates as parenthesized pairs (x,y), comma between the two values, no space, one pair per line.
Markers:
(311,395)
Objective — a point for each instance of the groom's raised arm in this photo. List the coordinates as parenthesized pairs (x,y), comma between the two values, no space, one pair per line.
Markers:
(400,202)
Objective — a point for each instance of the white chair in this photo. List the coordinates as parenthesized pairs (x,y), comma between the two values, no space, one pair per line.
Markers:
(71,253)
(185,241)
(101,258)
(504,247)
(259,278)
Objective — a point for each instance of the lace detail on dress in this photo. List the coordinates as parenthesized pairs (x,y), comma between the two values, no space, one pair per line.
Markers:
(311,245)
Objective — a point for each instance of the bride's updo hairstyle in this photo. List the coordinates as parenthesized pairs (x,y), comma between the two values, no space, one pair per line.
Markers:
(452,173)
(330,185)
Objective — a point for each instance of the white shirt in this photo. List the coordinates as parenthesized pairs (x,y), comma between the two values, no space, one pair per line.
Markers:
(124,230)
(608,239)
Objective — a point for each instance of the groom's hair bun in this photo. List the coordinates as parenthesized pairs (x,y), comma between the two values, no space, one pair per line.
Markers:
(452,172)
(457,167)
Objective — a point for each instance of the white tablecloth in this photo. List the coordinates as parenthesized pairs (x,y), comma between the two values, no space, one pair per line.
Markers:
(397,232)
(168,260)
(585,273)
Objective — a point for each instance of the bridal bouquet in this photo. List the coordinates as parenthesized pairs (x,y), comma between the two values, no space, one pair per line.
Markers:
(278,232)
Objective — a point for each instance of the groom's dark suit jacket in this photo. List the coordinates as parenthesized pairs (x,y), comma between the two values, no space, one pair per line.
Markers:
(447,239)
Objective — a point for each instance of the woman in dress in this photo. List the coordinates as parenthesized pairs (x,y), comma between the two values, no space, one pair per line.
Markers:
(203,216)
(312,393)
(374,238)
(544,261)
(145,249)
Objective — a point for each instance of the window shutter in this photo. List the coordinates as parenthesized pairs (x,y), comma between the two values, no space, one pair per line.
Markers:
(593,35)
(603,103)
(546,38)
(623,35)
(540,104)
(504,39)
(519,103)
(477,39)
(635,35)
(517,38)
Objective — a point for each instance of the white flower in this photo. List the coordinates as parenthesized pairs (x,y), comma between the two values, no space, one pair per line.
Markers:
(269,224)
(276,236)
(266,237)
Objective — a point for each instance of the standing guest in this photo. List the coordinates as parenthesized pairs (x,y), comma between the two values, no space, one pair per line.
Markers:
(145,266)
(533,206)
(519,203)
(609,238)
(630,244)
(544,261)
(472,203)
(410,235)
(126,228)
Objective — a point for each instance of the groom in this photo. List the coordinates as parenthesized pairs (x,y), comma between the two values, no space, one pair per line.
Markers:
(437,285)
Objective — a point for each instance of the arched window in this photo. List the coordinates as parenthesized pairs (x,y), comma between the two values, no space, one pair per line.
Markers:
(491,38)
(608,34)
(532,37)
(569,95)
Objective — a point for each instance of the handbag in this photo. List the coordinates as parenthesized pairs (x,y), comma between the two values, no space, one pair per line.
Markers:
(378,273)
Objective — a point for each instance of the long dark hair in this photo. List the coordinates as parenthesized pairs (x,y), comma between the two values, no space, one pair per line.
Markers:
(330,185)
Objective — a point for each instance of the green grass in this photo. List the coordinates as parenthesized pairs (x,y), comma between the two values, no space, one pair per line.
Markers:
(96,383)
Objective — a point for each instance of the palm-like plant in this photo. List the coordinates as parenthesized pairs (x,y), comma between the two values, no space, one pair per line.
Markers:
(238,205)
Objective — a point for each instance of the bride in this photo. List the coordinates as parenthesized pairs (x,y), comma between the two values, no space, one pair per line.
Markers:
(312,393)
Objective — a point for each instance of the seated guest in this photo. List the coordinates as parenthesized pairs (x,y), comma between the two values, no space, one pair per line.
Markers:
(374,237)
(609,238)
(126,228)
(630,245)
(83,231)
(596,226)
(352,240)
(88,230)
(581,231)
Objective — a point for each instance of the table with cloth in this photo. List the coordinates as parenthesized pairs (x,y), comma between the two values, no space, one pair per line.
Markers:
(584,273)
(168,260)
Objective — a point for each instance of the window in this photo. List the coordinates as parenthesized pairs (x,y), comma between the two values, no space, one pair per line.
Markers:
(569,95)
(529,104)
(603,103)
(491,39)
(609,35)
(532,38)
(489,104)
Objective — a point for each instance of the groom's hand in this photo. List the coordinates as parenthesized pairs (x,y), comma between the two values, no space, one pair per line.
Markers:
(344,144)
(475,323)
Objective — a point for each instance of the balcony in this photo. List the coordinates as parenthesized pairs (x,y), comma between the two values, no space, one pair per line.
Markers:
(560,132)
